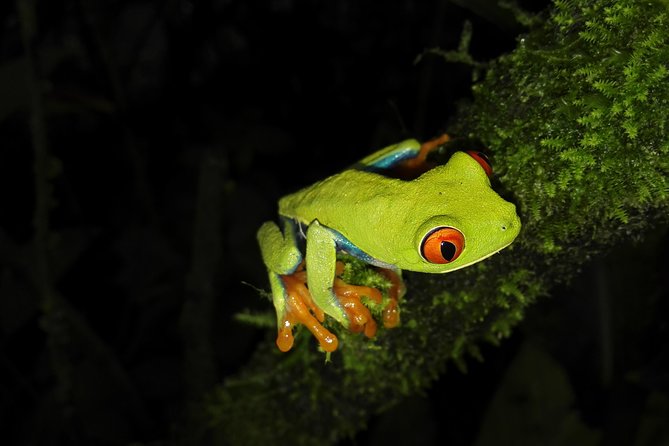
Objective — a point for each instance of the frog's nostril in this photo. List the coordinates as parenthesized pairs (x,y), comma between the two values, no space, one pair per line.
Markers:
(509,223)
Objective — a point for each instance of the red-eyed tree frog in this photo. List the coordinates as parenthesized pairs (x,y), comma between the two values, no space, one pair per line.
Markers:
(447,218)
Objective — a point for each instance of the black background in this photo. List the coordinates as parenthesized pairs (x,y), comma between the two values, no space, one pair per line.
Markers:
(277,94)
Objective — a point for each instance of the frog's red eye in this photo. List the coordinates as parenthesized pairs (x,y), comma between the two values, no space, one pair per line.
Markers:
(483,160)
(442,245)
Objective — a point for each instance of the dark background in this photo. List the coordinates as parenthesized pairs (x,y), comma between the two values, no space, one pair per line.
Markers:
(140,99)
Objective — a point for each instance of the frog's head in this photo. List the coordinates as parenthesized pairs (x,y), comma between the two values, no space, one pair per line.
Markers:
(459,218)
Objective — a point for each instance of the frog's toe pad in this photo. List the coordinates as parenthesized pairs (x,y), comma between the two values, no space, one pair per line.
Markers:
(300,309)
(391,313)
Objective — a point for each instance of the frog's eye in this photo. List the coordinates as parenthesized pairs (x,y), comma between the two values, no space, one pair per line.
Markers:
(483,160)
(442,245)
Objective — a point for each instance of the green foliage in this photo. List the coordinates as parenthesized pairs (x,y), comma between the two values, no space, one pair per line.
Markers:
(576,118)
(587,91)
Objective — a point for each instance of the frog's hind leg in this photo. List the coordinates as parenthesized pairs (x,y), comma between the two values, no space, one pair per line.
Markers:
(406,159)
(419,161)
(280,251)
(389,157)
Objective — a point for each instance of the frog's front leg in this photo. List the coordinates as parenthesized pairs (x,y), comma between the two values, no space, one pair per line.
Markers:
(321,261)
(336,298)
(292,300)
(304,297)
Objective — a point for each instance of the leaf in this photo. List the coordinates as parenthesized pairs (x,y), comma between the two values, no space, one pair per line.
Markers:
(533,405)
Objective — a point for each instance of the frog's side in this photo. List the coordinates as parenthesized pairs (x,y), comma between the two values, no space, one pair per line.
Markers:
(447,218)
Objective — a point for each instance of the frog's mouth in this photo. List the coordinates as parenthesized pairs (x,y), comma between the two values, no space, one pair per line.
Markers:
(514,229)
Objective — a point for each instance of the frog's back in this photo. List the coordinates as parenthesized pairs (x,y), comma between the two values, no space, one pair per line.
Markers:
(337,199)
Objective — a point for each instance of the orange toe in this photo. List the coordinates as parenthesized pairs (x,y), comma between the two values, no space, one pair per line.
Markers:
(391,314)
(359,316)
(300,308)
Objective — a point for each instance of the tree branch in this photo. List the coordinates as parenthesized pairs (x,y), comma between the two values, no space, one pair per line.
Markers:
(576,120)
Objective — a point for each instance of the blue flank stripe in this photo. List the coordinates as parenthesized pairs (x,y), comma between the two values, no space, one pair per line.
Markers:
(345,245)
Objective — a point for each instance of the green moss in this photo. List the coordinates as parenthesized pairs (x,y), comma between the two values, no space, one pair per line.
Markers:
(587,91)
(576,118)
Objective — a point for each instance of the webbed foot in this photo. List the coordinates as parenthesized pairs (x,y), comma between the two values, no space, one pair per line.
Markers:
(301,309)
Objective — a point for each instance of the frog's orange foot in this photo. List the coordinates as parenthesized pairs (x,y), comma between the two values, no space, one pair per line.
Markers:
(391,313)
(359,317)
(359,314)
(301,309)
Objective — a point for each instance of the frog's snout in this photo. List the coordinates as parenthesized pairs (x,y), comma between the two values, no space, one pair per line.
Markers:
(510,223)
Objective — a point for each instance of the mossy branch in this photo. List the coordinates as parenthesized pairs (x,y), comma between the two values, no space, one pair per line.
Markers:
(577,119)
